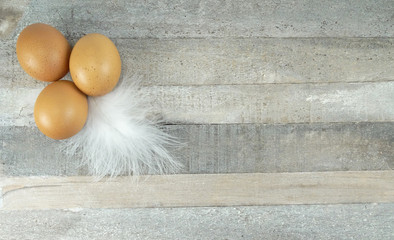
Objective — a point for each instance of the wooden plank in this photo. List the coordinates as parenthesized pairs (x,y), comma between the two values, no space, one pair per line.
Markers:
(198,190)
(202,19)
(26,151)
(273,222)
(258,61)
(236,61)
(270,103)
(245,148)
(278,103)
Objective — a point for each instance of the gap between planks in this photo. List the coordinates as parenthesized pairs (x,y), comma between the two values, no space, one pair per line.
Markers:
(25,193)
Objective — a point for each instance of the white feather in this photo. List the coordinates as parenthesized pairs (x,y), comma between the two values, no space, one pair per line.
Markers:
(119,139)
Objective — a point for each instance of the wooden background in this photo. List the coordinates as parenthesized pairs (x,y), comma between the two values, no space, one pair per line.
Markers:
(295,99)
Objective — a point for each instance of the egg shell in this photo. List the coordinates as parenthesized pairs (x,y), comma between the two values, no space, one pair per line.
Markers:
(95,64)
(43,52)
(61,110)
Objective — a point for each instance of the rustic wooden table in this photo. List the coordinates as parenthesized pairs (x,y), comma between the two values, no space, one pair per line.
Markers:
(286,109)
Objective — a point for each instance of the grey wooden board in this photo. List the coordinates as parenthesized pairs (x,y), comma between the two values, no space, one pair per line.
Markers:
(358,221)
(236,61)
(223,104)
(205,19)
(276,103)
(227,149)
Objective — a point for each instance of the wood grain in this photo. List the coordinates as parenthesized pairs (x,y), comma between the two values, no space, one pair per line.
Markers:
(227,148)
(198,190)
(284,103)
(258,61)
(291,222)
(274,86)
(204,19)
(270,103)
(184,62)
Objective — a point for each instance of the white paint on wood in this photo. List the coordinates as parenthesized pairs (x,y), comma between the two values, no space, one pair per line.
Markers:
(1,158)
(290,222)
(4,25)
(284,103)
(198,190)
(1,197)
(205,19)
(17,106)
(277,103)
(10,13)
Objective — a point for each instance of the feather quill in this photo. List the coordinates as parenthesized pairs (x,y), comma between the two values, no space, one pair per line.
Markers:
(119,139)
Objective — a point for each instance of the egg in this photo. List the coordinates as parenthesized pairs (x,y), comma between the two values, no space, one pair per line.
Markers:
(95,64)
(61,110)
(43,52)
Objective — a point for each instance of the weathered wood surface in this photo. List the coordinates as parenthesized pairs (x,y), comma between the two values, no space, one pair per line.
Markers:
(293,222)
(197,190)
(227,148)
(183,62)
(206,19)
(271,103)
(320,64)
(278,103)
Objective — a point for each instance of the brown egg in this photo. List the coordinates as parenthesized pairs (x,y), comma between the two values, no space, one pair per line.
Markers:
(61,110)
(95,64)
(43,52)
